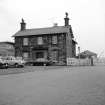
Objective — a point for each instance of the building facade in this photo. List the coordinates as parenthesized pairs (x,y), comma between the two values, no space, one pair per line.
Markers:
(7,49)
(55,43)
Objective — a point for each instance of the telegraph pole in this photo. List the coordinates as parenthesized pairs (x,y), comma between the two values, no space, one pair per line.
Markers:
(79,54)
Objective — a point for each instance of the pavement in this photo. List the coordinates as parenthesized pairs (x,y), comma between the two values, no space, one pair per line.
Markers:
(59,85)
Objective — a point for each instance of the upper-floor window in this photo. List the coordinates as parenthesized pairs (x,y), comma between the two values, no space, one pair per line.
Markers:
(25,41)
(54,39)
(39,40)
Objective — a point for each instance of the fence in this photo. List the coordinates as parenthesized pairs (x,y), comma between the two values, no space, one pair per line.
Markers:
(85,62)
(99,61)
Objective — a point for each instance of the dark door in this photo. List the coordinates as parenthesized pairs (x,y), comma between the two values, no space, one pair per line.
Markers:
(39,55)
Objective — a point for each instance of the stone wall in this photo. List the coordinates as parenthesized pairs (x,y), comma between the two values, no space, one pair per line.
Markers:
(60,47)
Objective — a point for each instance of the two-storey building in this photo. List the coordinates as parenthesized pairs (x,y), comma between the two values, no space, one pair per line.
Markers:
(7,48)
(55,43)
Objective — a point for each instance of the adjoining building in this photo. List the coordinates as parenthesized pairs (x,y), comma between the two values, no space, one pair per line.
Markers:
(55,43)
(87,54)
(7,49)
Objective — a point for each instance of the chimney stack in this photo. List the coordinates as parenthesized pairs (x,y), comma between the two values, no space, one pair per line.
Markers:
(55,24)
(66,19)
(23,25)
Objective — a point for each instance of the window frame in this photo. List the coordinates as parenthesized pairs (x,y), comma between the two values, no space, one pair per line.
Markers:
(26,56)
(25,41)
(40,40)
(54,39)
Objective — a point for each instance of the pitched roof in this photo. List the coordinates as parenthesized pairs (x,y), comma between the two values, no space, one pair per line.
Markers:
(41,31)
(7,42)
(88,53)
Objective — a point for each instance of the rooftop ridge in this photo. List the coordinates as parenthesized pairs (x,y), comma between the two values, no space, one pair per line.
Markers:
(45,28)
(42,31)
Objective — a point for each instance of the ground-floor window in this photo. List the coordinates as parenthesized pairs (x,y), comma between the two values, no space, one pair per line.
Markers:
(25,55)
(54,56)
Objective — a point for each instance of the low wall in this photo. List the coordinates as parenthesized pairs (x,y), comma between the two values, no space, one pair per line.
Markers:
(78,62)
(85,62)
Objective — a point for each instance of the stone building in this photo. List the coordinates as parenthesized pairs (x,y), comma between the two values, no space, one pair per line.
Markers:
(7,49)
(54,44)
(87,54)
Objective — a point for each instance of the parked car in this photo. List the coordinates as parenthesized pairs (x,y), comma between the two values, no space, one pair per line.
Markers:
(14,62)
(3,63)
(41,62)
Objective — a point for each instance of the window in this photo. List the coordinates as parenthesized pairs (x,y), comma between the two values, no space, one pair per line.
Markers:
(39,40)
(25,41)
(54,55)
(25,55)
(54,39)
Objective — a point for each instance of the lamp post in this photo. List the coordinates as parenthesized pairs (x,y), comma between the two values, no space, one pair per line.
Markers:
(79,54)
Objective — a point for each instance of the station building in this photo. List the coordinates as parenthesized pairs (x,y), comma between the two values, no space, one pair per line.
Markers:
(55,43)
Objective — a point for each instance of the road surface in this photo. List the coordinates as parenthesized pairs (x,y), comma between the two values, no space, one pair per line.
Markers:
(54,86)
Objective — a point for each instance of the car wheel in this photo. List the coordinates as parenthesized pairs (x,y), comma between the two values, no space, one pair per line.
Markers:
(16,65)
(6,65)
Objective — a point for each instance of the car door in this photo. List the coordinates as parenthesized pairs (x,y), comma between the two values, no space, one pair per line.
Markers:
(10,61)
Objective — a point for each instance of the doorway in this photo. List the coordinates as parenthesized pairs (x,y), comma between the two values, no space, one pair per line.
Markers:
(39,55)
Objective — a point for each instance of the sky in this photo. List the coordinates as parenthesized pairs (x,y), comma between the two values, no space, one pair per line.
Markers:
(87,18)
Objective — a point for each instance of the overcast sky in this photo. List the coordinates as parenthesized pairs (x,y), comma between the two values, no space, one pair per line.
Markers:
(87,19)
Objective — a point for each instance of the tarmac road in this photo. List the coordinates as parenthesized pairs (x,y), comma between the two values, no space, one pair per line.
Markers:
(53,86)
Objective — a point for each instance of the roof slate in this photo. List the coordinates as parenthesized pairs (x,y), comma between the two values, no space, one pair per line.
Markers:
(87,52)
(42,31)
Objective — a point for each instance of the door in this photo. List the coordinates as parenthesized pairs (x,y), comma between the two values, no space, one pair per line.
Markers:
(39,54)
